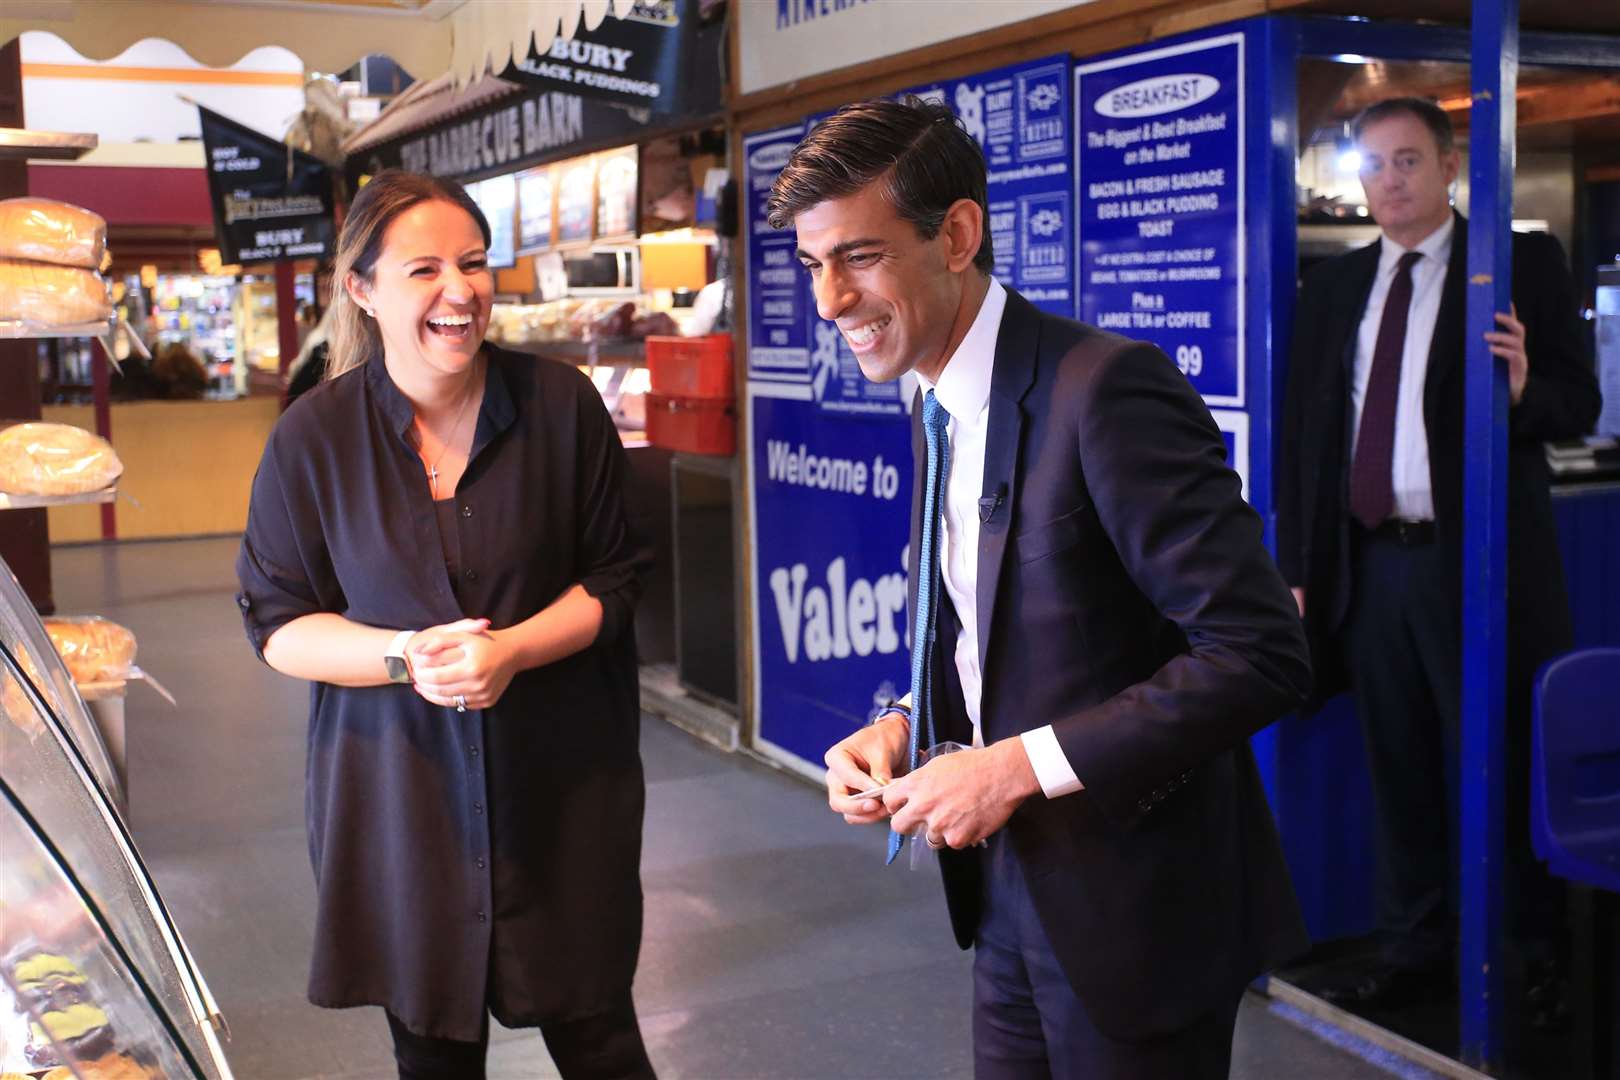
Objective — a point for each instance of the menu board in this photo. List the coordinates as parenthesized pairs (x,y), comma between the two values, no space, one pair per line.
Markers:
(616,193)
(1019,116)
(497,198)
(535,195)
(777,316)
(1161,205)
(576,199)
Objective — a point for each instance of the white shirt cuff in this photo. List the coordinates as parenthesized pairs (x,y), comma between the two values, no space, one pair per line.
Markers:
(1052,769)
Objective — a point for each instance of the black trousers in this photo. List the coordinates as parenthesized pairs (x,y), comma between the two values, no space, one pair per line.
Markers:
(605,1046)
(1403,641)
(1029,1025)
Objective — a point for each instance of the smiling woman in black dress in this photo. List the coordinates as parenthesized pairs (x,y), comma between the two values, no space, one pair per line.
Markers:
(474,799)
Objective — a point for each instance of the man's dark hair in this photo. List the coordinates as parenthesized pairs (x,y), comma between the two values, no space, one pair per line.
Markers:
(1433,117)
(923,156)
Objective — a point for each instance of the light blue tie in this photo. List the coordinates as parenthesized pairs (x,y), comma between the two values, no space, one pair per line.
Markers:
(922,632)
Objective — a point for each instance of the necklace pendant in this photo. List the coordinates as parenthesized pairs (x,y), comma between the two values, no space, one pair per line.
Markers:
(433,479)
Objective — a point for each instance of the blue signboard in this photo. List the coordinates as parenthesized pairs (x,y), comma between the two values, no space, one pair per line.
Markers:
(830,508)
(777,320)
(1159,174)
(1020,117)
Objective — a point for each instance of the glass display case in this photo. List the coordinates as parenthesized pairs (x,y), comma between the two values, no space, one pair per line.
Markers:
(93,973)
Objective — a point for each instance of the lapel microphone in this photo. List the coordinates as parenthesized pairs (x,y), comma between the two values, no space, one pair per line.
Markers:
(988,504)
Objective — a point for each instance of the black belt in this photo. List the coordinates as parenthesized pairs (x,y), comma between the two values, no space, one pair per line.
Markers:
(1404,533)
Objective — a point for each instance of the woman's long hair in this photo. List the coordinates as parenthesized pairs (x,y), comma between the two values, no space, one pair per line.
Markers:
(353,337)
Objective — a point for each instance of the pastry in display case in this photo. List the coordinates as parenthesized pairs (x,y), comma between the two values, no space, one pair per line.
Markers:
(51,255)
(95,980)
(55,459)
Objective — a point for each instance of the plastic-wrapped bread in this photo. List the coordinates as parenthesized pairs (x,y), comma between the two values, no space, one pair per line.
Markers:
(94,649)
(55,459)
(44,295)
(48,231)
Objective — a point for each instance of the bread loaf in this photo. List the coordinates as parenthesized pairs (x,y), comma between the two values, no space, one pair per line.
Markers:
(46,295)
(55,459)
(94,649)
(52,232)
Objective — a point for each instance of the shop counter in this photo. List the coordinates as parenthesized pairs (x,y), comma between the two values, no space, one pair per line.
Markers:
(188,466)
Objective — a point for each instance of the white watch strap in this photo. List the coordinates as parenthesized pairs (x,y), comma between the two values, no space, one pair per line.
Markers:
(397,646)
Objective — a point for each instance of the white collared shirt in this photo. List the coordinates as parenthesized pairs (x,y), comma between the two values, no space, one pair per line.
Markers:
(1409,469)
(964,390)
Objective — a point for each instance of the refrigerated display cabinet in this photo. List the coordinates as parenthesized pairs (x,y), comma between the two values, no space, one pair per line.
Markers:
(94,975)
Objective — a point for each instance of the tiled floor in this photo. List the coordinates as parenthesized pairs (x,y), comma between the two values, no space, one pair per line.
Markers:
(777,945)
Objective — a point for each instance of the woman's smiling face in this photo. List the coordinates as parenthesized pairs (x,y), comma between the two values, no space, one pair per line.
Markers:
(431,288)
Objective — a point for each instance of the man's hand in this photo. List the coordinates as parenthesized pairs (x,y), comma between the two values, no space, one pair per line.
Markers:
(1508,343)
(461,659)
(1299,599)
(961,798)
(867,759)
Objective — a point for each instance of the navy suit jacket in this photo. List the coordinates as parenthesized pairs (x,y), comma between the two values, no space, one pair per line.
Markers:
(1125,597)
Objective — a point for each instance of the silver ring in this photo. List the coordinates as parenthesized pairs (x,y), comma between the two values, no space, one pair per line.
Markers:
(461,702)
(929,840)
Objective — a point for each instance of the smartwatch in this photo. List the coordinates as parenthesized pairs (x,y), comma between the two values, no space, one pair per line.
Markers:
(399,670)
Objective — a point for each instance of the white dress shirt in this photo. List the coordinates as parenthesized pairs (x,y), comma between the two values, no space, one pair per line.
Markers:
(964,390)
(1409,470)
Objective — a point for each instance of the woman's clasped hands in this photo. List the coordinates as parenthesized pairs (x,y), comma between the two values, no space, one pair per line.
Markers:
(460,664)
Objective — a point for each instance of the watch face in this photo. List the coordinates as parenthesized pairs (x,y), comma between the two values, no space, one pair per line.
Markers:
(397,671)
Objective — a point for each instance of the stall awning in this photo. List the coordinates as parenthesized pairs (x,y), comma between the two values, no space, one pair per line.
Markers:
(428,38)
(424,104)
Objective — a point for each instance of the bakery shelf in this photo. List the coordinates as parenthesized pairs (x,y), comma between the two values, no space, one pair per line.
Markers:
(19,144)
(16,329)
(30,502)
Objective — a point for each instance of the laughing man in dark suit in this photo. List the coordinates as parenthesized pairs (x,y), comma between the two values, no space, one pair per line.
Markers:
(1107,631)
(1369,520)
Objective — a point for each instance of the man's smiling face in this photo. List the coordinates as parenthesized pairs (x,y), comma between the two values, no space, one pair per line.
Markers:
(892,293)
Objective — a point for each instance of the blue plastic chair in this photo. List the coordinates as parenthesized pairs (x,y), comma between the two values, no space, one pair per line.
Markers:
(1575,768)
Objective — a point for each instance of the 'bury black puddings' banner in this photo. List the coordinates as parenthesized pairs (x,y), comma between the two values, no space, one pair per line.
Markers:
(263,211)
(658,55)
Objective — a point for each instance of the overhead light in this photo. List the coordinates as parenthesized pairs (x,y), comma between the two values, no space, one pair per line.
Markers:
(1351,58)
(1349,161)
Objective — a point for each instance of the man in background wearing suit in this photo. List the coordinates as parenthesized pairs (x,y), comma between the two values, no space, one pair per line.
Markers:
(1369,521)
(1104,630)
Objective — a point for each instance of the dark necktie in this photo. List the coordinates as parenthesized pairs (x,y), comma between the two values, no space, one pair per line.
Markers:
(1372,495)
(935,418)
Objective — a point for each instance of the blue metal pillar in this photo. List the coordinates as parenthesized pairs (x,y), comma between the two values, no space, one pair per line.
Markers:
(1491,144)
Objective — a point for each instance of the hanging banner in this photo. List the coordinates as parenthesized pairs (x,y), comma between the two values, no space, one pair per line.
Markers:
(505,135)
(1160,145)
(660,55)
(264,211)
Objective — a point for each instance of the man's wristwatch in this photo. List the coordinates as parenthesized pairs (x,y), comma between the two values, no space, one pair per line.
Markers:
(399,670)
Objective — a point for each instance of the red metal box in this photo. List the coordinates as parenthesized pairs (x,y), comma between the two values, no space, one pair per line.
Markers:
(692,425)
(691,367)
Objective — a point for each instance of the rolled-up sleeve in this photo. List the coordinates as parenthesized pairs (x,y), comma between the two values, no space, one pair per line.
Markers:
(279,564)
(611,562)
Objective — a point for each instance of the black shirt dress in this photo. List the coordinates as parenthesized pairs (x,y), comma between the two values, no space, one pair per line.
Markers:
(462,859)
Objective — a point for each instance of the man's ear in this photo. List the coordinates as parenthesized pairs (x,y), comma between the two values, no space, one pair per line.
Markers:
(1451,166)
(963,229)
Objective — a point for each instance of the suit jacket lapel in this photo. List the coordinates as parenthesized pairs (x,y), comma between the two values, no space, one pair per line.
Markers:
(1017,343)
(1446,349)
(1363,273)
